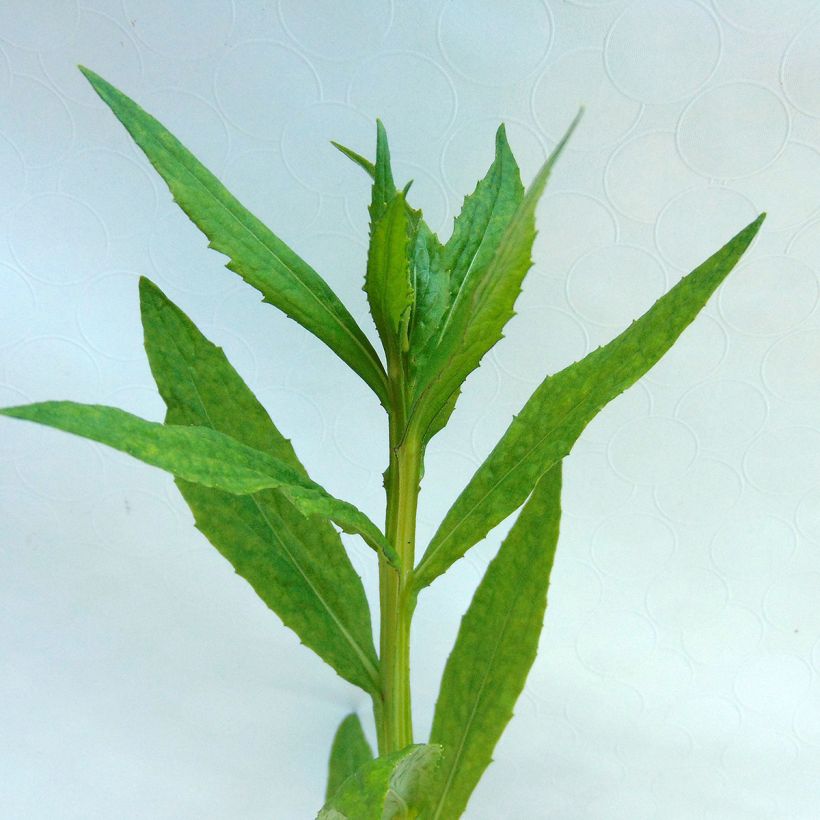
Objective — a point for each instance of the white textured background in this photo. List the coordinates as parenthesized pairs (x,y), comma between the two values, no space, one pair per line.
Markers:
(679,673)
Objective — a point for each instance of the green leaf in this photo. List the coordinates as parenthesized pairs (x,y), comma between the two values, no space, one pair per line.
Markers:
(428,277)
(260,257)
(384,188)
(557,412)
(297,566)
(489,255)
(203,456)
(495,648)
(387,788)
(387,283)
(362,162)
(430,282)
(349,752)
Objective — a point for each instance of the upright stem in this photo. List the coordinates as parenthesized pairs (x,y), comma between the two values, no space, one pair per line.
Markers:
(396,599)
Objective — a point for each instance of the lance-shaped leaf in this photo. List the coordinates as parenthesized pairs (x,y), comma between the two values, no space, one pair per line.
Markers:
(428,277)
(557,412)
(349,752)
(387,282)
(495,648)
(490,254)
(388,787)
(203,456)
(260,257)
(298,566)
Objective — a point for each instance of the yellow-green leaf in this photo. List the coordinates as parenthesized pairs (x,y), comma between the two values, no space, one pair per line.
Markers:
(260,257)
(557,412)
(203,456)
(495,648)
(298,566)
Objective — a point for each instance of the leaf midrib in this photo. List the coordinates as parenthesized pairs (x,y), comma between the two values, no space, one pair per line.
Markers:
(368,666)
(203,185)
(468,725)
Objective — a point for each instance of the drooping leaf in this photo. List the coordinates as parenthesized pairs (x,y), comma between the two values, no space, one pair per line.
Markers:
(387,788)
(387,283)
(297,565)
(557,412)
(495,648)
(260,257)
(349,752)
(203,456)
(489,253)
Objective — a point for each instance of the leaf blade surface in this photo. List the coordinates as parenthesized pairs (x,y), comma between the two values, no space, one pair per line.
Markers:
(496,645)
(260,257)
(297,566)
(559,409)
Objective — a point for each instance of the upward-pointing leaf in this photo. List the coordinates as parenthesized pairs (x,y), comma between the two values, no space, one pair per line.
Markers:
(298,566)
(554,416)
(387,788)
(429,278)
(387,283)
(496,646)
(349,752)
(260,257)
(490,253)
(204,456)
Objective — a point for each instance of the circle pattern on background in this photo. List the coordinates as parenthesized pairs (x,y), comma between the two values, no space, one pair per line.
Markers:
(575,78)
(262,108)
(410,93)
(462,31)
(173,31)
(652,450)
(615,285)
(800,65)
(659,54)
(38,32)
(712,215)
(712,132)
(752,546)
(644,173)
(129,206)
(77,239)
(337,32)
(769,295)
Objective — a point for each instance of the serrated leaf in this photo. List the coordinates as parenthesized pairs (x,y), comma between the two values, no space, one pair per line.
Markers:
(384,187)
(203,456)
(349,752)
(557,412)
(387,284)
(496,645)
(387,788)
(260,257)
(490,253)
(297,566)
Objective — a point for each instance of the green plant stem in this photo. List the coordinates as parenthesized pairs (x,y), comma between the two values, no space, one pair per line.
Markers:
(396,595)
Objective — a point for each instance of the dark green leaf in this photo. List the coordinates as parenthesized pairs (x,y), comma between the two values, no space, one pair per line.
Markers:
(350,751)
(259,256)
(496,646)
(387,788)
(556,414)
(203,456)
(298,566)
(490,253)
